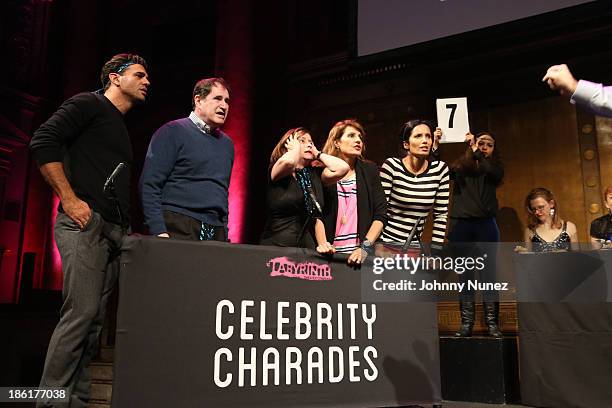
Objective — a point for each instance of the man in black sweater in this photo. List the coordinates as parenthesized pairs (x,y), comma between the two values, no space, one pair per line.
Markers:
(77,149)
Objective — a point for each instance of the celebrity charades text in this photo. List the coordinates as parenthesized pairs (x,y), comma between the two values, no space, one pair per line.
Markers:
(293,322)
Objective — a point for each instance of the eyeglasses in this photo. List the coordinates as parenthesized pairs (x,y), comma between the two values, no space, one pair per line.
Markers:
(538,209)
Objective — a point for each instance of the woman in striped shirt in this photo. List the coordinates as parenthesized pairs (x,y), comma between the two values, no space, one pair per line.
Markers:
(415,185)
(355,207)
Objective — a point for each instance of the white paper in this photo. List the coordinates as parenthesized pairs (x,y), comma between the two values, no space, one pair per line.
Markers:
(453,119)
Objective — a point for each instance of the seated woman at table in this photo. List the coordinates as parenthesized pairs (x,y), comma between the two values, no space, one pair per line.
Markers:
(546,231)
(293,187)
(355,207)
(601,228)
(415,185)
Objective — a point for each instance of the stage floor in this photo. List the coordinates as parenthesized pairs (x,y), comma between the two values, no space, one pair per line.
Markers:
(461,404)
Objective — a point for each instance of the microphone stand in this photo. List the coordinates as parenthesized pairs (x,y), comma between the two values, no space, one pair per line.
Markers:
(412,236)
(316,207)
(109,191)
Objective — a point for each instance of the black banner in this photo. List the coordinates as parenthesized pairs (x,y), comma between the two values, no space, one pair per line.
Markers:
(221,325)
(566,347)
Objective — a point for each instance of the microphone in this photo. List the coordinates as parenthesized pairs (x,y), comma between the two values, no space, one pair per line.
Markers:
(313,198)
(110,181)
(412,234)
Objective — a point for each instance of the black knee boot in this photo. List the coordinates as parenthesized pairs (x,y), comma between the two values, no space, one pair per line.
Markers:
(468,310)
(491,315)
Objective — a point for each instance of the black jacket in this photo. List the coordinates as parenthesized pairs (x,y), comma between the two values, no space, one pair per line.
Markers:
(371,201)
(474,193)
(602,227)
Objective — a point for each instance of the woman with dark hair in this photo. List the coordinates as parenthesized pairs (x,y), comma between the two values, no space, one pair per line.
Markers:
(546,231)
(292,211)
(355,207)
(414,185)
(476,176)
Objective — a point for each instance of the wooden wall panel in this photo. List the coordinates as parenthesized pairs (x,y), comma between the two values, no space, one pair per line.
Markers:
(604,150)
(539,142)
(449,318)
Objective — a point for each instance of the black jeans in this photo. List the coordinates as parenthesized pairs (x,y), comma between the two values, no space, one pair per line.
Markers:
(180,226)
(476,230)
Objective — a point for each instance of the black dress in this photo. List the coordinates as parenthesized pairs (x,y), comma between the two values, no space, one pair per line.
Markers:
(287,214)
(601,227)
(562,242)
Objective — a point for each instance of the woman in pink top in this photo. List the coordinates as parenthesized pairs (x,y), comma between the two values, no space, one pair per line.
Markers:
(355,207)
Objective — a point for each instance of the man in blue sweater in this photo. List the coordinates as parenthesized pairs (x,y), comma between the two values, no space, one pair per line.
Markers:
(185,181)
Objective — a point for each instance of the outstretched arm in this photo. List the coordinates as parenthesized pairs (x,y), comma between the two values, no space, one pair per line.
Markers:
(593,96)
(559,78)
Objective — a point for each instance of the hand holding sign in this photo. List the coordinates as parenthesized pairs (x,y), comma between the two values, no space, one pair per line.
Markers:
(470,139)
(453,119)
(437,138)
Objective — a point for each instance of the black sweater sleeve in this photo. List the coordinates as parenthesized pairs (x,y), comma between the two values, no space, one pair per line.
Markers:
(379,200)
(47,144)
(494,171)
(434,154)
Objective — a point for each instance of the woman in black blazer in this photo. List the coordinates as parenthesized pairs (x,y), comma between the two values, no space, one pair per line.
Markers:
(355,207)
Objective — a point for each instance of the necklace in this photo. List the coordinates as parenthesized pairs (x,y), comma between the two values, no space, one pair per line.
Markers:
(346,197)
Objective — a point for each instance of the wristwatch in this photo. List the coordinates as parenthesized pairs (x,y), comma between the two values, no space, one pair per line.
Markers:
(367,246)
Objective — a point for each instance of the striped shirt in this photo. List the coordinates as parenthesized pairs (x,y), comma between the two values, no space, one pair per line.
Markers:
(411,196)
(346,239)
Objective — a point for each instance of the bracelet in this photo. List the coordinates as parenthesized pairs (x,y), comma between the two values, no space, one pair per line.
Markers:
(319,155)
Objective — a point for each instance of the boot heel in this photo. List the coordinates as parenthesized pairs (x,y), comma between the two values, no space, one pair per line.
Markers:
(491,315)
(468,310)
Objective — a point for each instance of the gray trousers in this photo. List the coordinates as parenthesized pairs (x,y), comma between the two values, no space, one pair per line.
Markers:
(90,265)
